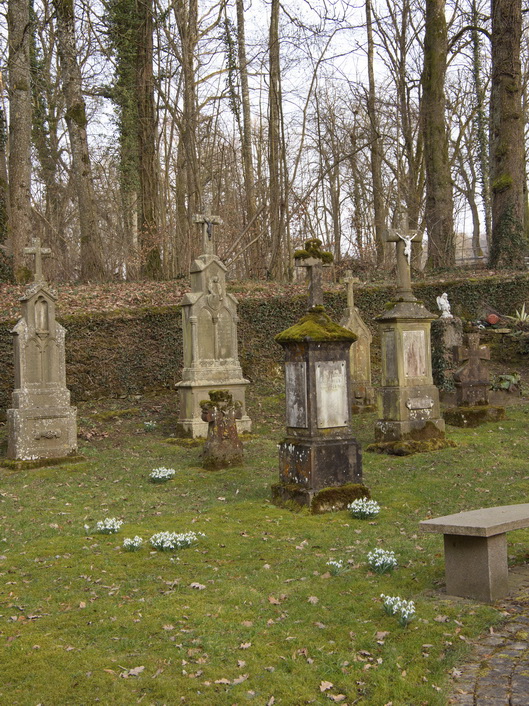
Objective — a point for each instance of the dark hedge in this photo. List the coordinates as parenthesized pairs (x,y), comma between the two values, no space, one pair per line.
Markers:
(137,351)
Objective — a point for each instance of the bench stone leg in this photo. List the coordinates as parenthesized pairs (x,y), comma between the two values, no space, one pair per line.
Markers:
(476,567)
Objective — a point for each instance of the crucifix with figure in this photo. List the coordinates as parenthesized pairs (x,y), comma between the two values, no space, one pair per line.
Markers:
(404,237)
(39,252)
(207,221)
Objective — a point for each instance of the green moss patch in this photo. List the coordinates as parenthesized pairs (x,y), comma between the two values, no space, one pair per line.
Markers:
(409,446)
(16,465)
(293,497)
(473,416)
(315,326)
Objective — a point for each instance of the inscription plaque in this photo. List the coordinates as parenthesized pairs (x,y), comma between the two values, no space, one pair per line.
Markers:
(420,403)
(414,345)
(331,395)
(296,394)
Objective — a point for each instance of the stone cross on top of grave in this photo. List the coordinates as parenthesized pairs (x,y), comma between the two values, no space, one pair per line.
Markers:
(473,352)
(404,237)
(350,281)
(207,221)
(313,258)
(39,252)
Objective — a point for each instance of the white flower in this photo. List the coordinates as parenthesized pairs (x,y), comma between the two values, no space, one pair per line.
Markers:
(161,475)
(169,541)
(404,610)
(109,525)
(149,426)
(362,508)
(133,544)
(382,560)
(336,565)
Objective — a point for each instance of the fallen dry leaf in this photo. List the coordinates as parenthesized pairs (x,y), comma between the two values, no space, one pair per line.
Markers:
(326,685)
(336,697)
(240,678)
(198,586)
(273,600)
(313,600)
(222,681)
(245,645)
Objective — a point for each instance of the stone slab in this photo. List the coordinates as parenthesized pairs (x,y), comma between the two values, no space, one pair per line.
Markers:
(485,522)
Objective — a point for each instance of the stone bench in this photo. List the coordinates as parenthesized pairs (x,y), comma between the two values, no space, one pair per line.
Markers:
(475,548)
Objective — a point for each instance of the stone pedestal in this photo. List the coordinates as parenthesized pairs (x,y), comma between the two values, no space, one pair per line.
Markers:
(447,335)
(41,423)
(319,451)
(209,322)
(408,403)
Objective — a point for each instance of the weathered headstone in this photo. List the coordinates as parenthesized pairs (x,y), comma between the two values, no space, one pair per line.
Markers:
(447,337)
(209,323)
(409,416)
(41,424)
(320,462)
(472,383)
(223,448)
(362,392)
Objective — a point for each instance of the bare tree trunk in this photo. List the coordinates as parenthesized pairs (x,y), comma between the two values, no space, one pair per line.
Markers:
(439,199)
(509,244)
(91,251)
(148,168)
(276,265)
(19,131)
(379,207)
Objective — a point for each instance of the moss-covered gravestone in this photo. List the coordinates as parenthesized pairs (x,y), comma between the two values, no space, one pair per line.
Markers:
(41,423)
(223,448)
(472,383)
(320,462)
(209,324)
(409,415)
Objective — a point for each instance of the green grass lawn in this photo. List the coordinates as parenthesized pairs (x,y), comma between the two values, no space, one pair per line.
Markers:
(250,614)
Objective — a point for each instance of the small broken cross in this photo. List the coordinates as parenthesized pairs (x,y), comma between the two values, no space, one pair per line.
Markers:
(350,281)
(39,252)
(473,352)
(207,221)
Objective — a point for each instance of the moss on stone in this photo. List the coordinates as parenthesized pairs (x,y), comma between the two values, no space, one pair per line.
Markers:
(337,498)
(409,446)
(473,416)
(18,465)
(315,326)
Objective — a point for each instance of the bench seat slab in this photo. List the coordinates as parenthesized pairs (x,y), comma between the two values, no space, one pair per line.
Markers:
(476,567)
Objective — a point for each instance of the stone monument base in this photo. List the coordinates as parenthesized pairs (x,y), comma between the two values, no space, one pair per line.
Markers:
(416,430)
(190,423)
(473,416)
(320,463)
(317,501)
(41,433)
(410,446)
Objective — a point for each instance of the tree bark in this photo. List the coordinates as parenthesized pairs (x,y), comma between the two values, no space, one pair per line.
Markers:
(76,121)
(509,244)
(20,103)
(439,205)
(148,169)
(379,206)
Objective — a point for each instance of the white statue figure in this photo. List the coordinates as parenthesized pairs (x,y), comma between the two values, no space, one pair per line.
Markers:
(444,306)
(407,247)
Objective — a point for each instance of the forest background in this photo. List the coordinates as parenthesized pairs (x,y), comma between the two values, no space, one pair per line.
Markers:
(120,120)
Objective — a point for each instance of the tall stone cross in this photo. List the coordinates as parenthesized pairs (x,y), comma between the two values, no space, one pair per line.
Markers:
(39,252)
(350,281)
(207,221)
(315,268)
(404,237)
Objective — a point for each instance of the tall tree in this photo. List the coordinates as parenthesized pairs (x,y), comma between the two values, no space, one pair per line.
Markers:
(509,243)
(148,168)
(76,122)
(277,265)
(379,207)
(439,205)
(5,262)
(19,72)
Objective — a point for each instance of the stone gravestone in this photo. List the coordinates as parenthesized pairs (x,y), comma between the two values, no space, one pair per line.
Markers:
(408,406)
(209,323)
(320,462)
(41,424)
(362,393)
(223,448)
(472,383)
(447,337)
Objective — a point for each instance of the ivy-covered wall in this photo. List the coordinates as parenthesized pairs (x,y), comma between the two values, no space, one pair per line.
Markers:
(128,353)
